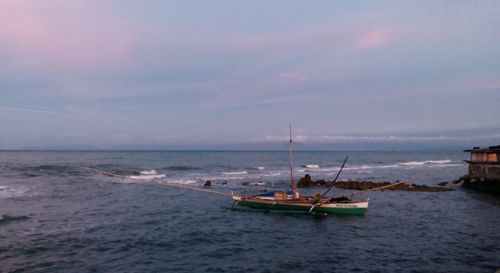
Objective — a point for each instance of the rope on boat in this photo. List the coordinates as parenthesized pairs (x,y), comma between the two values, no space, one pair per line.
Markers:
(166,183)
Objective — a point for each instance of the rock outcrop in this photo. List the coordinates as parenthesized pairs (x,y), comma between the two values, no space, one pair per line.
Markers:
(362,185)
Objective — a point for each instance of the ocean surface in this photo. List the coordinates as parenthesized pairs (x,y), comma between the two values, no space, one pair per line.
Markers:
(60,213)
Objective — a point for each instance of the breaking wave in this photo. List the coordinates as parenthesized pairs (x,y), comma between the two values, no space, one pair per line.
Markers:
(365,167)
(235,173)
(12,191)
(260,168)
(276,173)
(425,162)
(147,175)
(181,181)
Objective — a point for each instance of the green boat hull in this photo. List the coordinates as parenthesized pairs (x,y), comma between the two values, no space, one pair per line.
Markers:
(345,209)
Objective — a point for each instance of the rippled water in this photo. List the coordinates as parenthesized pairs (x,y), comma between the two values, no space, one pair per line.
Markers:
(57,216)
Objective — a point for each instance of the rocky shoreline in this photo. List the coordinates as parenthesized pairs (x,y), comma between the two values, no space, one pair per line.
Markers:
(362,185)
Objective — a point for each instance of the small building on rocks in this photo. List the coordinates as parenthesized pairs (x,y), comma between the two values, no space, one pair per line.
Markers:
(484,168)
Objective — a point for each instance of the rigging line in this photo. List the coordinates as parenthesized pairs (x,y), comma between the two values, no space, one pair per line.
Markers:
(336,177)
(166,183)
(376,189)
(195,189)
(106,172)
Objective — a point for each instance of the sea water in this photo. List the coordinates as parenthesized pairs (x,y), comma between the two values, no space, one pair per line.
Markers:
(60,213)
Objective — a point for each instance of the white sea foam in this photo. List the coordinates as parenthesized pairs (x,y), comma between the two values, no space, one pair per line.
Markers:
(12,191)
(355,168)
(363,172)
(363,167)
(257,184)
(235,173)
(413,163)
(446,161)
(332,169)
(425,162)
(350,168)
(273,174)
(260,168)
(150,172)
(455,165)
(429,163)
(231,178)
(182,181)
(385,166)
(146,176)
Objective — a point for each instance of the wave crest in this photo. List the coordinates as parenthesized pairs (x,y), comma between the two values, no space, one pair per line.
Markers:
(425,162)
(182,181)
(147,175)
(235,173)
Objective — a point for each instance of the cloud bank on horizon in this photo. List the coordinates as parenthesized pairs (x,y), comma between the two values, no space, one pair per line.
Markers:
(102,73)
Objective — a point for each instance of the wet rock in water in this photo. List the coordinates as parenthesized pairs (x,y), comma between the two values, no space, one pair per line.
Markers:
(306,181)
(321,182)
(208,183)
(245,183)
(224,182)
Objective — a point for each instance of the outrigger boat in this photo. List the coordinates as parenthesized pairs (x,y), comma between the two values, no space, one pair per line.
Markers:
(294,202)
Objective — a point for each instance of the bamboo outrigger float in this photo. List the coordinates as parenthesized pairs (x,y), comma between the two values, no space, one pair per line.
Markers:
(292,201)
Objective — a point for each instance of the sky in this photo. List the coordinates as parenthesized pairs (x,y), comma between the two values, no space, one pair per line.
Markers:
(107,74)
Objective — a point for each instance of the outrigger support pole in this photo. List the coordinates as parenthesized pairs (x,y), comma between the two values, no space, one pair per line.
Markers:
(292,181)
(336,177)
(312,207)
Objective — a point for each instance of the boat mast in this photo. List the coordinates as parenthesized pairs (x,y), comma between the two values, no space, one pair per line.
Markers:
(292,182)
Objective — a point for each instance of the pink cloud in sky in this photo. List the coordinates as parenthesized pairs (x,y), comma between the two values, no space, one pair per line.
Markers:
(373,38)
(61,35)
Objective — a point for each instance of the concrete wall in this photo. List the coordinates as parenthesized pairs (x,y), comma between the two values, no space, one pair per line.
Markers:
(484,171)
